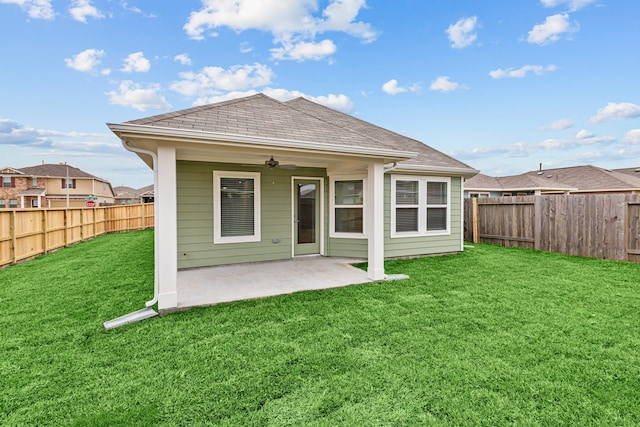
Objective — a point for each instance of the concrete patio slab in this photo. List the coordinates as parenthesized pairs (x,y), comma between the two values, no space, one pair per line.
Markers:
(213,285)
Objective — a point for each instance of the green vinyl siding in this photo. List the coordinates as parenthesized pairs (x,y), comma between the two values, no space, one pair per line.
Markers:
(356,248)
(423,245)
(195,220)
(195,215)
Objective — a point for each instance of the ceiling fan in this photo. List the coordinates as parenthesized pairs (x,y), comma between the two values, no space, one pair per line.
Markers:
(273,164)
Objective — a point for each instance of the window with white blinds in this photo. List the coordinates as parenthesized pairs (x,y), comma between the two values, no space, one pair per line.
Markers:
(236,207)
(421,206)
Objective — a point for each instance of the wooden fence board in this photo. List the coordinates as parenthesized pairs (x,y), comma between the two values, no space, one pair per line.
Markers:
(26,233)
(605,226)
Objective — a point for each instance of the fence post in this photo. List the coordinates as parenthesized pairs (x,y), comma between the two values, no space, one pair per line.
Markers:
(537,222)
(44,231)
(475,220)
(14,239)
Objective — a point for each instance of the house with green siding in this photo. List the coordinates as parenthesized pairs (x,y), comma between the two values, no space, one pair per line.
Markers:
(255,179)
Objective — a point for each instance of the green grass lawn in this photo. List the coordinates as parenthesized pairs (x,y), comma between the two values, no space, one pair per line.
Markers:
(493,336)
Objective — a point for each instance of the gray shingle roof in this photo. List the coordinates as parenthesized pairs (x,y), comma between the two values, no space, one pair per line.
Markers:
(427,156)
(296,120)
(576,178)
(56,170)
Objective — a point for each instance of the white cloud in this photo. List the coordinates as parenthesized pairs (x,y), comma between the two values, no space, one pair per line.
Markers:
(289,21)
(214,80)
(245,47)
(632,137)
(523,149)
(560,124)
(183,58)
(130,94)
(613,111)
(583,134)
(81,9)
(462,33)
(444,84)
(572,4)
(521,72)
(304,50)
(391,87)
(551,29)
(18,134)
(136,62)
(36,9)
(87,61)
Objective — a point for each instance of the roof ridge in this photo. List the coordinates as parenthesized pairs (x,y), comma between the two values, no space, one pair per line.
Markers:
(197,108)
(369,124)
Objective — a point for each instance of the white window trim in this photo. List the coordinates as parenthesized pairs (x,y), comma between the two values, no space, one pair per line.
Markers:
(479,194)
(217,229)
(422,206)
(333,206)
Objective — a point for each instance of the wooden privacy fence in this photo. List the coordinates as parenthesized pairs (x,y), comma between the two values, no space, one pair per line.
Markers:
(26,233)
(605,226)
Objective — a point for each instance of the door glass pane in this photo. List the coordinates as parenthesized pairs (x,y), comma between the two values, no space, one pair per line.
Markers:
(306,213)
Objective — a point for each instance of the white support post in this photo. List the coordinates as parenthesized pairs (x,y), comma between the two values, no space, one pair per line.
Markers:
(375,220)
(166,231)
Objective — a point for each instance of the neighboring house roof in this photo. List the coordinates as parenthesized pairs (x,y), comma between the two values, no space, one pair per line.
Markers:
(120,189)
(571,179)
(123,192)
(33,192)
(7,170)
(483,182)
(301,120)
(147,191)
(629,171)
(56,171)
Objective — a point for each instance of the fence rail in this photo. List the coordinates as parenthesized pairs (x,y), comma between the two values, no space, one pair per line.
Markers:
(26,233)
(605,226)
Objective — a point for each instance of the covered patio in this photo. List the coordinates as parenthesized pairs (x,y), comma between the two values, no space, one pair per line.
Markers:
(226,283)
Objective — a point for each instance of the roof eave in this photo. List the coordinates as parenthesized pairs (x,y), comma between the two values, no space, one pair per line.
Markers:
(128,131)
(438,170)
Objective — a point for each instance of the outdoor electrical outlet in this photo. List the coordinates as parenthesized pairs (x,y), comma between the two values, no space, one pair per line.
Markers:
(275,240)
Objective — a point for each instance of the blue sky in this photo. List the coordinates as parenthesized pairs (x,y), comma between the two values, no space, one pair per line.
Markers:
(500,85)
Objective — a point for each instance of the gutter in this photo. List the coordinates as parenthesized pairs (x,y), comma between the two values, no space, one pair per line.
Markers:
(443,170)
(125,130)
(146,312)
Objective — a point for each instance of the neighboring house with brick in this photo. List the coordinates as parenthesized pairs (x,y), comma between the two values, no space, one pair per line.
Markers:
(52,186)
(571,180)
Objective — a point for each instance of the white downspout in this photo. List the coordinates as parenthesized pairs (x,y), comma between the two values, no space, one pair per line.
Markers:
(146,312)
(156,214)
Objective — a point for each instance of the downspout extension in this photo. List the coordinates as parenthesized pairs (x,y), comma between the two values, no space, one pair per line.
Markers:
(146,312)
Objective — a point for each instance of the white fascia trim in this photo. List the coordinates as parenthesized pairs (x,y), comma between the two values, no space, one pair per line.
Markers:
(441,170)
(613,190)
(484,190)
(215,138)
